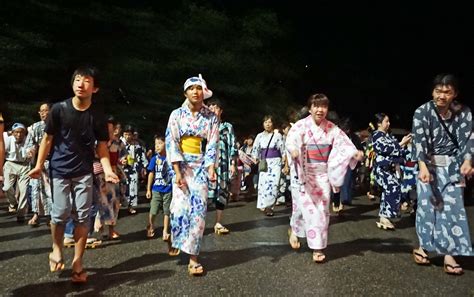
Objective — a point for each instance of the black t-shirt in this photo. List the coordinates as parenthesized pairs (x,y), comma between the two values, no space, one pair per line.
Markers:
(74,135)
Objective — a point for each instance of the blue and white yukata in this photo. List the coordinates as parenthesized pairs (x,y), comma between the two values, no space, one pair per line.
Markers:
(409,171)
(189,204)
(41,200)
(441,220)
(389,155)
(136,162)
(219,191)
(268,181)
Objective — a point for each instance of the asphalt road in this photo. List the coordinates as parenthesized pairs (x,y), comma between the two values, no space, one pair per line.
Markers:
(255,259)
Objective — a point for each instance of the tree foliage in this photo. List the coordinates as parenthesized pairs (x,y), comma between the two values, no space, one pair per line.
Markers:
(146,51)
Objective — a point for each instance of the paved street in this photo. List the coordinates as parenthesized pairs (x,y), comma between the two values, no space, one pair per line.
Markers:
(255,259)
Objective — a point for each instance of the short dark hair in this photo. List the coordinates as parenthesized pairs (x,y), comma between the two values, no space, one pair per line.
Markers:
(159,137)
(216,102)
(268,117)
(111,120)
(446,79)
(87,70)
(128,128)
(318,100)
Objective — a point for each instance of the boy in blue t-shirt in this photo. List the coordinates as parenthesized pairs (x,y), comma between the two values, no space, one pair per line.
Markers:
(160,177)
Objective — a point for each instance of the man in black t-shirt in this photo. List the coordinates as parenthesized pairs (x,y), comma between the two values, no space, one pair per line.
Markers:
(72,128)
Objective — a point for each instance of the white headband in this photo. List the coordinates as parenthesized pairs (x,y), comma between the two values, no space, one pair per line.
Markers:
(200,82)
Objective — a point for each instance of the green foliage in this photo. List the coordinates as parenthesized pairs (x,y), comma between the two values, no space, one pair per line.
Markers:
(148,52)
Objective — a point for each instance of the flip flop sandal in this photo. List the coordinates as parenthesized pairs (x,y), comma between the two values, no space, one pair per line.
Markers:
(150,233)
(269,213)
(195,269)
(114,235)
(416,256)
(55,265)
(452,271)
(33,223)
(79,277)
(319,257)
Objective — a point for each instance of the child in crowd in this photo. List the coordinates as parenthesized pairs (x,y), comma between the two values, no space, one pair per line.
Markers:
(159,188)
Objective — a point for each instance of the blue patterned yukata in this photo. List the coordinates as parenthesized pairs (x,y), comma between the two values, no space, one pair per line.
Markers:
(269,180)
(188,205)
(389,155)
(219,191)
(441,220)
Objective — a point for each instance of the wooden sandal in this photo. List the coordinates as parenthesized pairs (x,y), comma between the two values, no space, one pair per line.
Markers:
(55,265)
(195,269)
(220,230)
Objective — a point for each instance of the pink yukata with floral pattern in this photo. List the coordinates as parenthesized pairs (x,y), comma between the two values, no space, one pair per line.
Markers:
(311,179)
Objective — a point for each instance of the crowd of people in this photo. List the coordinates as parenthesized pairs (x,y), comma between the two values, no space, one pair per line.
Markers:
(74,169)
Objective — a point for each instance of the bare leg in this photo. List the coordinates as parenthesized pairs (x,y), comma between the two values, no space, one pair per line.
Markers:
(166,227)
(219,214)
(80,236)
(57,234)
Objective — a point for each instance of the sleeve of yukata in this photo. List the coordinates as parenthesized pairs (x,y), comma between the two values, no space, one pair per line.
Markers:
(340,157)
(173,151)
(29,142)
(384,146)
(470,145)
(256,147)
(281,145)
(232,146)
(421,138)
(143,157)
(210,155)
(294,141)
(464,134)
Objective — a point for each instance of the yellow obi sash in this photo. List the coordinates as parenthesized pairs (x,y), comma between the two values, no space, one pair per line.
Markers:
(190,144)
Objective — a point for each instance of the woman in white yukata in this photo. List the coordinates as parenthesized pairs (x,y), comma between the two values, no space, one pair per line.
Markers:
(192,137)
(319,155)
(268,146)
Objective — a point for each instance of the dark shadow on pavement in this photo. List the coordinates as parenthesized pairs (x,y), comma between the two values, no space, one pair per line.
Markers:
(101,279)
(26,234)
(224,259)
(7,255)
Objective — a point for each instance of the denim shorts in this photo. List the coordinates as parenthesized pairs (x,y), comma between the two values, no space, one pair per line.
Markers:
(72,197)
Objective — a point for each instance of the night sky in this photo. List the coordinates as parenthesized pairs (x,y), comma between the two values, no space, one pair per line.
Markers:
(378,56)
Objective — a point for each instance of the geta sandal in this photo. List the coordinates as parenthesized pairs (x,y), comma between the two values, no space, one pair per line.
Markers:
(220,230)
